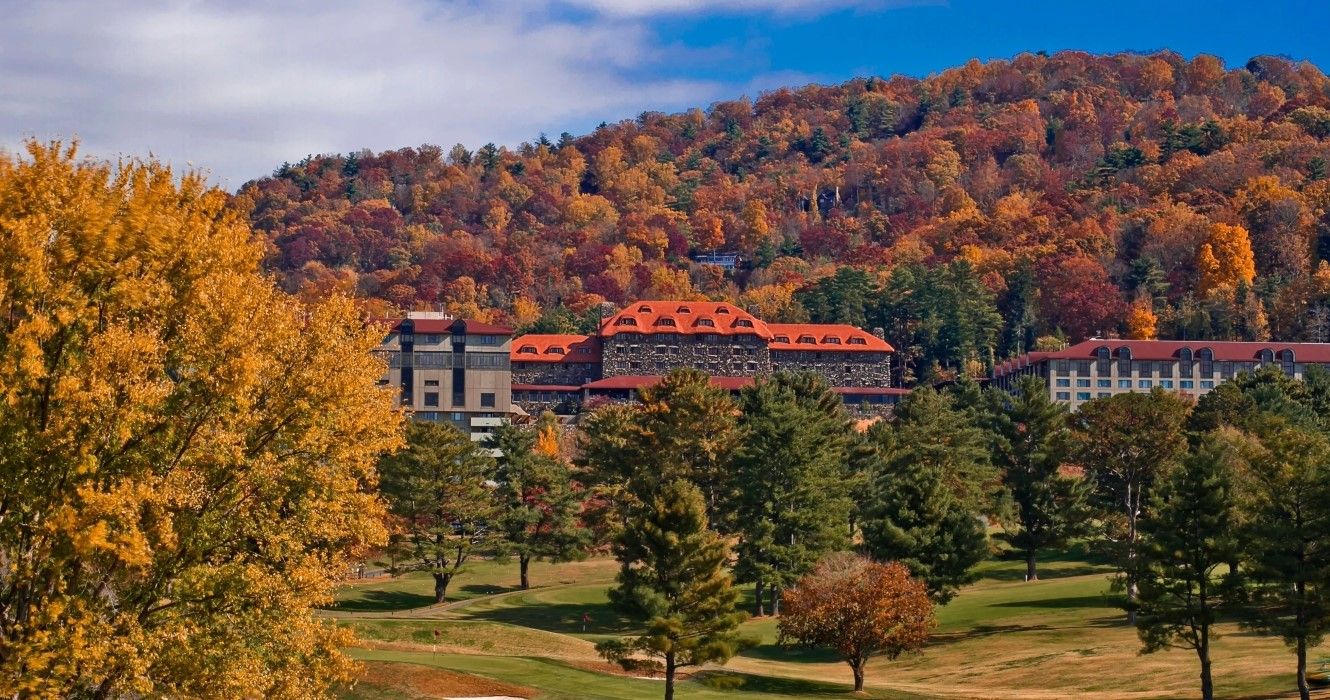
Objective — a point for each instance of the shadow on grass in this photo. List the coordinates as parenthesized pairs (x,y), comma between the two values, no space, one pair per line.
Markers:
(487,589)
(796,654)
(740,683)
(383,601)
(981,631)
(1080,601)
(1047,574)
(564,618)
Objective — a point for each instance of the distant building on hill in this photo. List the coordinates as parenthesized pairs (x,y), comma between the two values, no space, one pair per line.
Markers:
(1099,368)
(726,261)
(647,339)
(450,369)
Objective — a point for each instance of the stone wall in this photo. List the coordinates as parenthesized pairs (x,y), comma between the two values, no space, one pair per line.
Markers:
(729,356)
(856,369)
(562,373)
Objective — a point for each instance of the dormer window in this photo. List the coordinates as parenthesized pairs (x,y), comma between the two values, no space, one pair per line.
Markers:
(683,310)
(722,310)
(644,309)
(856,341)
(706,322)
(527,350)
(807,340)
(626,321)
(830,340)
(743,323)
(781,339)
(665,322)
(554,350)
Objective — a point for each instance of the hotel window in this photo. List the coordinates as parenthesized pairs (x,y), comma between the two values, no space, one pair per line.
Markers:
(1124,361)
(1166,383)
(1105,368)
(1082,396)
(1207,384)
(432,398)
(431,382)
(1064,382)
(1286,361)
(1186,384)
(1083,367)
(1104,383)
(1165,369)
(1184,362)
(1146,384)
(1207,362)
(1124,383)
(487,400)
(1063,367)
(1083,383)
(1226,370)
(1064,396)
(1104,394)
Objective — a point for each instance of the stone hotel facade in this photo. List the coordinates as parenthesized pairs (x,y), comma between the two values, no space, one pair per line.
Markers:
(1100,368)
(647,339)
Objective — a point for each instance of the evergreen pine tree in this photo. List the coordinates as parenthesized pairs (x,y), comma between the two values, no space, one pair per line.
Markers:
(931,480)
(1029,442)
(790,479)
(672,574)
(1189,535)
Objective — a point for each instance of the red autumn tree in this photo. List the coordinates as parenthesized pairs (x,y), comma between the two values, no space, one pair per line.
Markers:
(1077,296)
(859,608)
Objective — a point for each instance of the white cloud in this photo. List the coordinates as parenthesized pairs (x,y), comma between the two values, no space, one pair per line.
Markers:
(643,8)
(239,88)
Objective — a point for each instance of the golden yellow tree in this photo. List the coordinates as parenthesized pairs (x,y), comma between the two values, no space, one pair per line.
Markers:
(1141,320)
(1225,260)
(186,453)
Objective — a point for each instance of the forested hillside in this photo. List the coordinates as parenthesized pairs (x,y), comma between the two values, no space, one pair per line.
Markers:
(969,214)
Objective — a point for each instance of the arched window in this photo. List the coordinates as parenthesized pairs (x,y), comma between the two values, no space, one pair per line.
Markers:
(1207,357)
(683,310)
(1286,361)
(722,310)
(1267,356)
(1103,366)
(644,309)
(1185,363)
(1124,361)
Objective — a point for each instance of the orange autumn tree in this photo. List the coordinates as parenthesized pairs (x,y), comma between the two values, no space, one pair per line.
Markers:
(1141,320)
(859,608)
(186,453)
(1225,260)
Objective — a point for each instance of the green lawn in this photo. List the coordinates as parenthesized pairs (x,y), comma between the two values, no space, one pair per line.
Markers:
(481,577)
(1003,637)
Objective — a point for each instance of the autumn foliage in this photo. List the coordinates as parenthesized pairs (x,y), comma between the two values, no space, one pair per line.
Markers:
(1103,174)
(860,609)
(186,453)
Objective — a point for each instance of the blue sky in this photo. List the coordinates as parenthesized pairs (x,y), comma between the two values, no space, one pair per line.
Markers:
(236,87)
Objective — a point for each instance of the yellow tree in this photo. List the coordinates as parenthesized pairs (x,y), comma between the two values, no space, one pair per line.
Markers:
(186,453)
(1225,260)
(1141,320)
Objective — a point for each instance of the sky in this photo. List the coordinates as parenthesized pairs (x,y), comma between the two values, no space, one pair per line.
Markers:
(237,88)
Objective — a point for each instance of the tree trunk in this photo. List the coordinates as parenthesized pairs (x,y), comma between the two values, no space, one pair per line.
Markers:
(441,587)
(858,669)
(775,600)
(524,564)
(1030,573)
(759,610)
(1203,651)
(1133,513)
(1304,692)
(669,676)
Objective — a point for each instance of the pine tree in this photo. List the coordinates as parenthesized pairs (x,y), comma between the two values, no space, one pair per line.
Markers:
(931,480)
(790,481)
(1029,442)
(1189,535)
(672,574)
(539,501)
(437,488)
(1287,538)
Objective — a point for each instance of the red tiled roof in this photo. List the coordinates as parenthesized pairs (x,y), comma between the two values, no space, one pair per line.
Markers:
(546,387)
(637,381)
(535,347)
(832,337)
(1223,351)
(684,317)
(445,325)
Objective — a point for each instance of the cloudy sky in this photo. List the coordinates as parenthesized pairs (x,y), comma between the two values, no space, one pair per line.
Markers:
(236,88)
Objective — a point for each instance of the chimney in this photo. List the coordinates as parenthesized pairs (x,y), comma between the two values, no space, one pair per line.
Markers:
(881,334)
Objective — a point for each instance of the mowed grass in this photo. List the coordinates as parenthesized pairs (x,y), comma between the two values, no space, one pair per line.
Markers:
(481,577)
(1002,637)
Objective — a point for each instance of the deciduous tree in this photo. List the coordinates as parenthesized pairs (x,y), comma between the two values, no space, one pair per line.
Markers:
(860,609)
